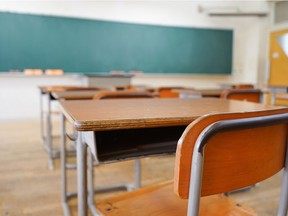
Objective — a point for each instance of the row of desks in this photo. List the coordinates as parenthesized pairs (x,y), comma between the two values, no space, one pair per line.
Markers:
(61,93)
(86,95)
(141,127)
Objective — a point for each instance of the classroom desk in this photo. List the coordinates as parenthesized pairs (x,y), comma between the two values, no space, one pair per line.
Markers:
(74,95)
(49,92)
(156,123)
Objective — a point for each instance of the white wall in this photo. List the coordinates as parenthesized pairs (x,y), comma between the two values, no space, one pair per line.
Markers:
(270,26)
(20,95)
(249,40)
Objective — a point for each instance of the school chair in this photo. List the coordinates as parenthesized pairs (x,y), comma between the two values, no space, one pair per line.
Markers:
(54,72)
(216,153)
(243,92)
(252,95)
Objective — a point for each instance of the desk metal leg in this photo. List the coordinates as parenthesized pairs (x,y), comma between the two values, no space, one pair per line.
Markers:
(41,118)
(49,136)
(137,170)
(91,200)
(63,169)
(81,175)
(47,125)
(82,150)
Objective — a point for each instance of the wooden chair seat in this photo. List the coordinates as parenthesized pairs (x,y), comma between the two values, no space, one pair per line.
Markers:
(161,200)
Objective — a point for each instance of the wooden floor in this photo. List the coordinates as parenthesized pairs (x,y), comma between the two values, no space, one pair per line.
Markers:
(27,187)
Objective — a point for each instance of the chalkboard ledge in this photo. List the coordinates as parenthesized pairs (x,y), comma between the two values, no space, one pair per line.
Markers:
(184,75)
(22,75)
(108,75)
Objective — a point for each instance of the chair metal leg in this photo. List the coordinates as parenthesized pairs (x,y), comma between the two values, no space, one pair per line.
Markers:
(91,190)
(283,205)
(195,184)
(41,119)
(91,200)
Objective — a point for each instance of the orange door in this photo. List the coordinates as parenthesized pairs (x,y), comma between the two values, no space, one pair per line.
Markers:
(278,58)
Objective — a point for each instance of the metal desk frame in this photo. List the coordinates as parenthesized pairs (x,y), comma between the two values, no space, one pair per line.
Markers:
(47,137)
(89,164)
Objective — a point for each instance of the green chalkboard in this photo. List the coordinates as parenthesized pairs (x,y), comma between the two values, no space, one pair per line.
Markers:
(81,45)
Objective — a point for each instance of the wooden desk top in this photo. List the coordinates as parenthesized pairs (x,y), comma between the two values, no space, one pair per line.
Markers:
(96,115)
(74,95)
(49,89)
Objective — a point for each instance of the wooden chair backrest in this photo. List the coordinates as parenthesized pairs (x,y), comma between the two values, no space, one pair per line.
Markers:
(167,92)
(244,86)
(122,95)
(232,159)
(139,88)
(129,88)
(252,95)
(80,88)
